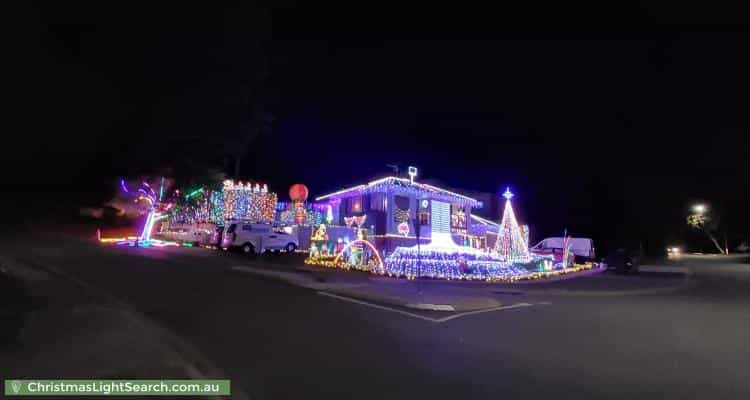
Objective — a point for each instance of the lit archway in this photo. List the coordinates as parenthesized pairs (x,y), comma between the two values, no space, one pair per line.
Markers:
(370,245)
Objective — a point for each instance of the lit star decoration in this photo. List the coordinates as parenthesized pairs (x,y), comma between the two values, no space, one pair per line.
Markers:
(508,194)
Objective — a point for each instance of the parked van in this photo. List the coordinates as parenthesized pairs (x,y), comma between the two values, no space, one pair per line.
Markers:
(257,238)
(198,234)
(583,248)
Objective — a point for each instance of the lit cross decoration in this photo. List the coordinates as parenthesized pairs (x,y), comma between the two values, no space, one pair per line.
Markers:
(412,173)
(508,195)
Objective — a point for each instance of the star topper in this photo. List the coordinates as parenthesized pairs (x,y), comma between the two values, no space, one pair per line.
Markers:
(508,195)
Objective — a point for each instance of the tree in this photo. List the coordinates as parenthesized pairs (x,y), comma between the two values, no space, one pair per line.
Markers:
(703,221)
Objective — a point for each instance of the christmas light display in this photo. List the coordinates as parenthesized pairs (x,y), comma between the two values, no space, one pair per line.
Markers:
(196,208)
(147,195)
(511,245)
(298,194)
(444,259)
(359,254)
(329,214)
(446,214)
(247,202)
(405,187)
(289,213)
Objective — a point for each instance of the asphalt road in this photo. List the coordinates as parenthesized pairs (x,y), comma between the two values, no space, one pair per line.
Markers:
(277,341)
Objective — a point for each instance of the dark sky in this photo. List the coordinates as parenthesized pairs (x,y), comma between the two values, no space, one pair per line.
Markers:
(607,119)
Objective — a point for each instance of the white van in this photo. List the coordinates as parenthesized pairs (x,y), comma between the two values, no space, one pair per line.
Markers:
(257,238)
(583,248)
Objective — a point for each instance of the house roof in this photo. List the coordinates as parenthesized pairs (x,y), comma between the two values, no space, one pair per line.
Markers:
(403,185)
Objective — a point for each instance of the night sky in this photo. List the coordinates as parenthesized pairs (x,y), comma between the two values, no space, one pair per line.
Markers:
(605,120)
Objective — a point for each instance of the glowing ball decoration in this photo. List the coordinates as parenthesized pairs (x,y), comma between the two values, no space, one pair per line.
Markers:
(298,192)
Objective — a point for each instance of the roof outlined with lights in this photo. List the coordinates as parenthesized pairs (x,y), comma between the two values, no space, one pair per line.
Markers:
(403,186)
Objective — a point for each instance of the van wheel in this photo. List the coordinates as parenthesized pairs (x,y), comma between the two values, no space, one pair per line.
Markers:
(248,248)
(291,247)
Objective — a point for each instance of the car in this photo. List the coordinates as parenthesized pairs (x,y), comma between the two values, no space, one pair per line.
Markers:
(624,261)
(582,248)
(253,238)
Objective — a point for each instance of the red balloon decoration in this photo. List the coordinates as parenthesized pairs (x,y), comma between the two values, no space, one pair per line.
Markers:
(298,192)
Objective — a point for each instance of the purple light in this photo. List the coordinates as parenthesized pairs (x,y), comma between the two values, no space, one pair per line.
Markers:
(508,195)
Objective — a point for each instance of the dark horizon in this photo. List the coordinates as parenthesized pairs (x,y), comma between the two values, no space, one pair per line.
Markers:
(610,134)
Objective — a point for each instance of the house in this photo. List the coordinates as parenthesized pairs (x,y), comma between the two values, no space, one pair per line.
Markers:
(397,211)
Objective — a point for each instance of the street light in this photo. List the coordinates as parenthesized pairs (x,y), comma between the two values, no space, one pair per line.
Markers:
(699,208)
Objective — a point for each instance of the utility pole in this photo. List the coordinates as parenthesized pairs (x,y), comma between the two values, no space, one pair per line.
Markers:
(418,234)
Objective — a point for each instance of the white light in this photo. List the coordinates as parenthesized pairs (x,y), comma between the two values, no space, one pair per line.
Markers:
(358,187)
(475,202)
(485,221)
(699,208)
(412,173)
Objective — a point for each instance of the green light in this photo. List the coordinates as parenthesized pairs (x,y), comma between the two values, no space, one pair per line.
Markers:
(161,189)
(193,193)
(161,217)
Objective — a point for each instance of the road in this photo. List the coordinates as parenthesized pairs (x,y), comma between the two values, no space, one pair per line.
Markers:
(278,341)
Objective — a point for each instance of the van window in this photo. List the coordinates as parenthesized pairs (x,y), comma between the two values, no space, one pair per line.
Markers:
(247,227)
(232,228)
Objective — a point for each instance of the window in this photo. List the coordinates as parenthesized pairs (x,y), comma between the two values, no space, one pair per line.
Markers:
(401,209)
(424,218)
(354,205)
(232,228)
(377,201)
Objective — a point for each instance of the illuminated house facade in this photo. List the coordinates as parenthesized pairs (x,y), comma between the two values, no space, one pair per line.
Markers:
(393,208)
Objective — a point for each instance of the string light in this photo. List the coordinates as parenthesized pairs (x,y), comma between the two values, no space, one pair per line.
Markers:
(404,186)
(248,202)
(511,245)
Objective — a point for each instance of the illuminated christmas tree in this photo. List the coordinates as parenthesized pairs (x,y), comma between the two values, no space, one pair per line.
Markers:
(510,244)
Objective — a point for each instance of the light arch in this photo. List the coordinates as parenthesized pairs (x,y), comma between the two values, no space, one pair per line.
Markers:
(370,245)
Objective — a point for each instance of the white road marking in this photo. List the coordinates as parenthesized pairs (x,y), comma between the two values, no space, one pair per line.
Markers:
(422,317)
(500,308)
(364,303)
(431,307)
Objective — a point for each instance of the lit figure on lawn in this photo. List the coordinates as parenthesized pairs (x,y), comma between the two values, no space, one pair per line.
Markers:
(146,194)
